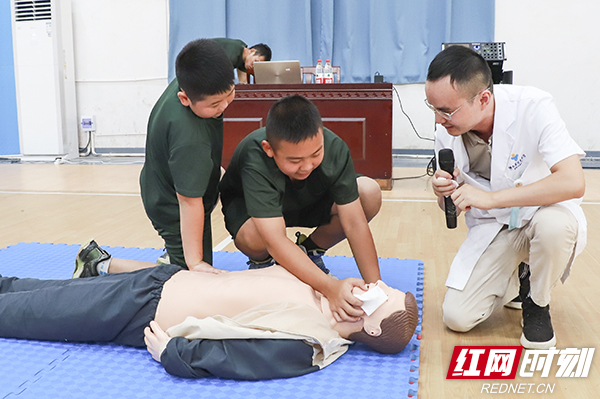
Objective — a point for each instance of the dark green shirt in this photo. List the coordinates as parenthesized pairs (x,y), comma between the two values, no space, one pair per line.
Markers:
(234,49)
(183,155)
(267,192)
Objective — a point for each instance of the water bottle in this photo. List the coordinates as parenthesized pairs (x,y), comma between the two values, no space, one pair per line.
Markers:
(319,72)
(327,72)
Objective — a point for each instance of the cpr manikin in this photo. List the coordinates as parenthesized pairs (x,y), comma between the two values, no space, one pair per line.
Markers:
(202,295)
(246,325)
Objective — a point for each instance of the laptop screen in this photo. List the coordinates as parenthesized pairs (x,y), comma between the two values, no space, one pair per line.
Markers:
(274,72)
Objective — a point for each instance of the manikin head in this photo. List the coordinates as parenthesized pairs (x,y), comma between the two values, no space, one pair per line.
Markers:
(459,89)
(389,329)
(294,136)
(205,77)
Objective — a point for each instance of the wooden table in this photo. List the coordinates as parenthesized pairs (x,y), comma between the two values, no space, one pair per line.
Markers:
(360,113)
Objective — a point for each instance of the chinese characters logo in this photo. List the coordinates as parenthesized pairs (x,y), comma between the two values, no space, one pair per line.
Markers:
(502,362)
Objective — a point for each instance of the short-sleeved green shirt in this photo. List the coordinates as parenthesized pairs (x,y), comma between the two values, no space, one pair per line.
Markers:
(183,155)
(253,185)
(234,49)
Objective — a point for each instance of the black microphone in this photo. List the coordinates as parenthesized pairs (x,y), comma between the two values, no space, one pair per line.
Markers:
(446,161)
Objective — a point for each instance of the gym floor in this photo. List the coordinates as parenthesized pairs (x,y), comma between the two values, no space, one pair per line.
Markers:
(70,203)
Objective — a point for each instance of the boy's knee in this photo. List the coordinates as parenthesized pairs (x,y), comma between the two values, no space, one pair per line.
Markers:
(370,196)
(249,241)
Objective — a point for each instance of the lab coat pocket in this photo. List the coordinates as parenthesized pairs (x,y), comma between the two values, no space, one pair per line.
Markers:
(534,171)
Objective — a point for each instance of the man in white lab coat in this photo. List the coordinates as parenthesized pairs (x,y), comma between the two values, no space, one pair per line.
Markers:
(519,179)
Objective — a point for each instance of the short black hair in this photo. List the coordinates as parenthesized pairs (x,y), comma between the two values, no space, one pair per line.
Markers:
(203,69)
(466,68)
(292,119)
(263,50)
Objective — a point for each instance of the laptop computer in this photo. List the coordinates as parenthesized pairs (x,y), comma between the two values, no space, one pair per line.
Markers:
(270,72)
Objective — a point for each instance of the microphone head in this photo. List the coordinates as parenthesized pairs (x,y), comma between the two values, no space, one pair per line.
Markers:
(446,160)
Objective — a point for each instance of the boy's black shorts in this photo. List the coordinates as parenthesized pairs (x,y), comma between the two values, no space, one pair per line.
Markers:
(315,215)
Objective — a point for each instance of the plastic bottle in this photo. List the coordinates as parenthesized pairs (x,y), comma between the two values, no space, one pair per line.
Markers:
(327,72)
(319,72)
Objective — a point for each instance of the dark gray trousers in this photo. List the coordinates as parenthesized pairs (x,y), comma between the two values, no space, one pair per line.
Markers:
(111,308)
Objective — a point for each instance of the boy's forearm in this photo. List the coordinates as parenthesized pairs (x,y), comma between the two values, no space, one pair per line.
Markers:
(289,255)
(292,258)
(192,229)
(364,251)
(361,241)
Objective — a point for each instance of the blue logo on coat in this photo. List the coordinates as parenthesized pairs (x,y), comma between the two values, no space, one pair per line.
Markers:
(518,161)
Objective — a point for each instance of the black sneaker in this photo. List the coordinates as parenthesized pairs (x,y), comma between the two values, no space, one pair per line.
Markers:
(316,255)
(260,264)
(517,302)
(537,326)
(164,259)
(88,257)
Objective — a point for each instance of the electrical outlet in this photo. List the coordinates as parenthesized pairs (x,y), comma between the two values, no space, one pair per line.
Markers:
(88,123)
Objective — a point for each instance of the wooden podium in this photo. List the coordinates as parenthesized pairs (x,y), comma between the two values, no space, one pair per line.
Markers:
(360,113)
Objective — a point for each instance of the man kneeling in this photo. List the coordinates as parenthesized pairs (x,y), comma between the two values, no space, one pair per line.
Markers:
(250,325)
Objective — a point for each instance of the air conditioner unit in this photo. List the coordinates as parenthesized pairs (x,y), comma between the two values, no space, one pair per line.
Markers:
(44,77)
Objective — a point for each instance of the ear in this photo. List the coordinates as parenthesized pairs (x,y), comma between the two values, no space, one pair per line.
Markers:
(486,98)
(374,330)
(185,101)
(267,148)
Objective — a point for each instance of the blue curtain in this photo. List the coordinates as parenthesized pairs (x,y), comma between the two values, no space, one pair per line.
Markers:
(397,38)
(9,129)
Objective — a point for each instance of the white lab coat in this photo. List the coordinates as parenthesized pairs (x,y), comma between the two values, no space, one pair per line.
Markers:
(529,137)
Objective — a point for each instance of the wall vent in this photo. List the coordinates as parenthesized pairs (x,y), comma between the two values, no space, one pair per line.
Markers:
(33,10)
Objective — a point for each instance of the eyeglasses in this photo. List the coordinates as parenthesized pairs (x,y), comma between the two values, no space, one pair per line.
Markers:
(448,115)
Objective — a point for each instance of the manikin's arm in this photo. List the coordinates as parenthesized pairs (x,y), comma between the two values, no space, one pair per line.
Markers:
(343,304)
(191,211)
(565,182)
(358,233)
(240,359)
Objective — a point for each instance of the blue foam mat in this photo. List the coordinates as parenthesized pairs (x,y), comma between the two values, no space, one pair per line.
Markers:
(33,369)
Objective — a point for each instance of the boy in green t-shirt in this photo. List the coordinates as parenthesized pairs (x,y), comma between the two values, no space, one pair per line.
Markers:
(295,172)
(179,180)
(180,177)
(243,57)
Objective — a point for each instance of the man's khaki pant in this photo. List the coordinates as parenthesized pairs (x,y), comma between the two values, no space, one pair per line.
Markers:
(546,243)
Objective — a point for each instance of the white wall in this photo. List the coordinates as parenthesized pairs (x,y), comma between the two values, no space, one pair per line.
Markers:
(404,136)
(550,44)
(121,66)
(120,49)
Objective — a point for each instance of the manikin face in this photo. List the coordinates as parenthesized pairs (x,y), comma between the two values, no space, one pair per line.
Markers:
(372,323)
(212,106)
(395,302)
(297,161)
(445,97)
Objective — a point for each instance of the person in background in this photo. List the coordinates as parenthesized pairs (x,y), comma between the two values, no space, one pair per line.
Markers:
(242,57)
